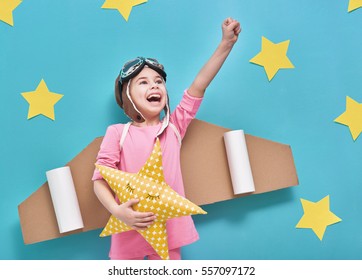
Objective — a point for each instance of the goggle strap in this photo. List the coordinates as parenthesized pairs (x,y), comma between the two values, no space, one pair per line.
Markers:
(130,99)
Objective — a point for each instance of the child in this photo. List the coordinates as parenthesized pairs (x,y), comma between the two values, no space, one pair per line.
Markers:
(141,92)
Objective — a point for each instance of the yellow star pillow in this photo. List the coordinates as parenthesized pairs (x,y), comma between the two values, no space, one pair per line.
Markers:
(154,194)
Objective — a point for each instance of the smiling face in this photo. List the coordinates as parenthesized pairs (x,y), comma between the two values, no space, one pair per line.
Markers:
(148,92)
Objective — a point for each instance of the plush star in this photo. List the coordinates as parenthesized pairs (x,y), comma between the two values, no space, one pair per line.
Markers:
(317,216)
(41,101)
(154,195)
(354,4)
(123,6)
(272,57)
(352,117)
(6,10)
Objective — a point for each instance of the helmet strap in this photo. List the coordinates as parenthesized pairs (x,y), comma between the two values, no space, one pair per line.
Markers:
(140,117)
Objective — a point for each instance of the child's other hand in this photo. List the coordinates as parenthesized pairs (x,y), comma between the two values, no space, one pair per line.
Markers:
(230,30)
(132,218)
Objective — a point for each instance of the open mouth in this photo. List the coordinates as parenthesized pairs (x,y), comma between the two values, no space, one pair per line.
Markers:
(154,98)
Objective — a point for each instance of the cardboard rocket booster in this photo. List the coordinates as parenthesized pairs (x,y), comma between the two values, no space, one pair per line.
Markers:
(205,170)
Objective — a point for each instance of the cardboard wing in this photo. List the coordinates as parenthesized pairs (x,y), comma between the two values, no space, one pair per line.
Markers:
(205,166)
(205,173)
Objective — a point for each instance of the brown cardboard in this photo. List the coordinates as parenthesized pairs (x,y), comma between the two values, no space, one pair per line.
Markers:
(205,167)
(37,216)
(205,173)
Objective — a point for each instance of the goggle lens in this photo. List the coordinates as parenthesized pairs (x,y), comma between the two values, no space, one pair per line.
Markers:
(132,66)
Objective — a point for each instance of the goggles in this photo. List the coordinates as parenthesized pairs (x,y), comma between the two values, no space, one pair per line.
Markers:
(133,67)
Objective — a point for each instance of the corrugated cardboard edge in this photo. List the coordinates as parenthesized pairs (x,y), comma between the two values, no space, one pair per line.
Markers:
(205,174)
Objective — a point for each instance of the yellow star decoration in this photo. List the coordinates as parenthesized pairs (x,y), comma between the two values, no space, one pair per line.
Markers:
(6,10)
(272,57)
(154,195)
(317,216)
(123,6)
(352,117)
(41,101)
(354,4)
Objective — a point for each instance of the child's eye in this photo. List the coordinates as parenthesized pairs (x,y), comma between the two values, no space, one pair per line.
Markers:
(129,188)
(159,81)
(153,197)
(143,83)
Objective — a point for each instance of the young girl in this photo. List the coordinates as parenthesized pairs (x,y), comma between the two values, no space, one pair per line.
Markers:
(141,92)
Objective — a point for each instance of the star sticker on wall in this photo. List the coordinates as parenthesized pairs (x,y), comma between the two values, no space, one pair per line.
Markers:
(41,101)
(6,10)
(354,4)
(352,117)
(272,57)
(317,216)
(123,6)
(154,195)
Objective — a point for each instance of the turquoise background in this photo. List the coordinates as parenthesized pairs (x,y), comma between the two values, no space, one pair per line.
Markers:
(78,49)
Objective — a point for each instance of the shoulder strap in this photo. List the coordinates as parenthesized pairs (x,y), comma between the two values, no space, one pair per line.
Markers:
(178,135)
(124,134)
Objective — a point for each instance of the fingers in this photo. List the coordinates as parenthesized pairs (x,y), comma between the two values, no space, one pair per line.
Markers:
(131,202)
(144,216)
(238,30)
(232,24)
(143,220)
(139,227)
(142,226)
(136,220)
(230,21)
(140,216)
(227,21)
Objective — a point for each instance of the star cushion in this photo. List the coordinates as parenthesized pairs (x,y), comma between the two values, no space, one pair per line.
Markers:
(154,194)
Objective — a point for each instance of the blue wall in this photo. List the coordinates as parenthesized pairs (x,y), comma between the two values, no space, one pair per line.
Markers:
(78,49)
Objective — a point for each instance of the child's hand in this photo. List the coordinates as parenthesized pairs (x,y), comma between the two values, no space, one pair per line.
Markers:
(132,218)
(230,30)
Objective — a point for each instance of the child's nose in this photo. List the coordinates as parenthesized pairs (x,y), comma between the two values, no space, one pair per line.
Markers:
(154,85)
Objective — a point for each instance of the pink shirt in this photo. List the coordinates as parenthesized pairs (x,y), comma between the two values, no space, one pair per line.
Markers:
(136,149)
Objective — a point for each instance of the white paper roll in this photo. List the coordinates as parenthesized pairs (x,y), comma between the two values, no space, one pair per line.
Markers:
(238,159)
(64,199)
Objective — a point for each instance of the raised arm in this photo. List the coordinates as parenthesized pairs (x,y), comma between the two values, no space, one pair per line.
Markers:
(230,32)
